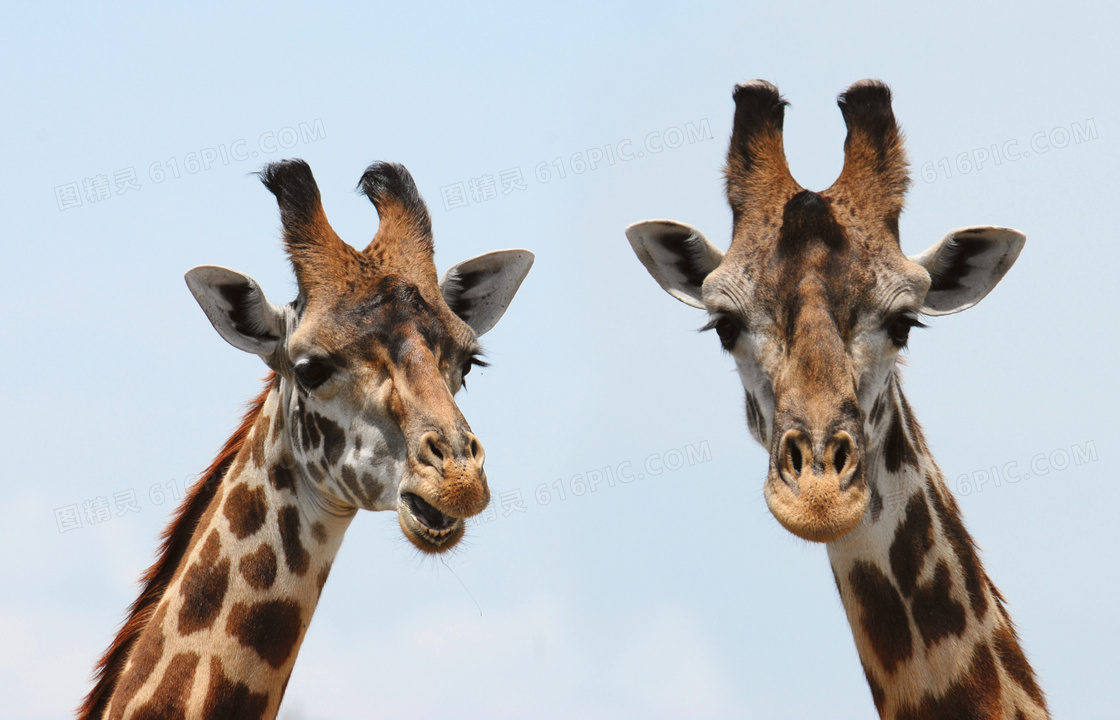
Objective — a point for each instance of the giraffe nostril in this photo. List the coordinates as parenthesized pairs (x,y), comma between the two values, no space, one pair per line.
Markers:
(433,448)
(840,456)
(795,457)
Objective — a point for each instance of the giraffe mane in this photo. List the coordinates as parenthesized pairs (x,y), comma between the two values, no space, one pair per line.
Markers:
(176,539)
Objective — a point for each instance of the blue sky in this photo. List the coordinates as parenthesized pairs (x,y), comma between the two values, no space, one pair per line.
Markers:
(675,594)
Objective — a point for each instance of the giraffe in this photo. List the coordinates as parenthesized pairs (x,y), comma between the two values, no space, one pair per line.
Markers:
(814,300)
(357,412)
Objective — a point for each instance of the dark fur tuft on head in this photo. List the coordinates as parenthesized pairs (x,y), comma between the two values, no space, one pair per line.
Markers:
(295,189)
(866,106)
(390,187)
(759,100)
(757,174)
(759,108)
(875,174)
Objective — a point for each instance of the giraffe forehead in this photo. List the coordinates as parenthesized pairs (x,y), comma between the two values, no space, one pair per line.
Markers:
(381,319)
(783,288)
(821,253)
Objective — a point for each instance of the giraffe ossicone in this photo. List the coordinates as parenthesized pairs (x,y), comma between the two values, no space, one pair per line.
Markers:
(814,300)
(358,412)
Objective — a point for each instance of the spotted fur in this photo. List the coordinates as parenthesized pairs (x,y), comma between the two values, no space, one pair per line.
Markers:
(814,300)
(358,413)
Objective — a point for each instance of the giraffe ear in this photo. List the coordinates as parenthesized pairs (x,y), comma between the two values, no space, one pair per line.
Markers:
(480,289)
(966,264)
(678,256)
(237,308)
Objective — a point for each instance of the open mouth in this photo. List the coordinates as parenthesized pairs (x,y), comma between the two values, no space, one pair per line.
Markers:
(428,528)
(433,520)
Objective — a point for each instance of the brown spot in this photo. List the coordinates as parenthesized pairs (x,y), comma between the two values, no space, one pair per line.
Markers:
(882,615)
(912,542)
(1015,663)
(999,601)
(877,409)
(309,432)
(371,485)
(965,550)
(322,579)
(754,417)
(238,464)
(204,588)
(280,475)
(319,531)
(897,449)
(245,510)
(228,700)
(277,426)
(936,613)
(169,701)
(259,568)
(260,434)
(912,424)
(973,696)
(350,482)
(144,660)
(875,506)
(294,553)
(270,628)
(334,440)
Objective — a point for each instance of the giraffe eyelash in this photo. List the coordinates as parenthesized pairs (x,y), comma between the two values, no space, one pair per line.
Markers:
(474,360)
(898,328)
(728,328)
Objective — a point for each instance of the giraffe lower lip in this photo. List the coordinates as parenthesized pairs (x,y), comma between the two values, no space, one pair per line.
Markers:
(427,516)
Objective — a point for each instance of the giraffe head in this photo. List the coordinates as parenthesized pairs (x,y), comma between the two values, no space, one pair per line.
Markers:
(370,354)
(815,299)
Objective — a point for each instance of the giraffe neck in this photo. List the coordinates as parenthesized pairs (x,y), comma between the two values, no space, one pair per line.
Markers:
(224,635)
(931,629)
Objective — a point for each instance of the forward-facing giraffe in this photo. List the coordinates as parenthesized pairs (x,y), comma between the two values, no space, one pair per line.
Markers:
(814,300)
(357,413)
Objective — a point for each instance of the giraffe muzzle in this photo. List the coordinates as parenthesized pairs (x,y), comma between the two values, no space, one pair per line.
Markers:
(447,485)
(816,488)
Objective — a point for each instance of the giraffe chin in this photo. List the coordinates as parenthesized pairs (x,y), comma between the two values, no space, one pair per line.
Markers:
(430,530)
(819,510)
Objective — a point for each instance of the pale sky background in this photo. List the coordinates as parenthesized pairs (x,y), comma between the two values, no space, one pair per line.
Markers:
(673,596)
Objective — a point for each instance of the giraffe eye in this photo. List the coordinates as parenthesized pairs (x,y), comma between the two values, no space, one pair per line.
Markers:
(898,329)
(728,330)
(471,362)
(312,372)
